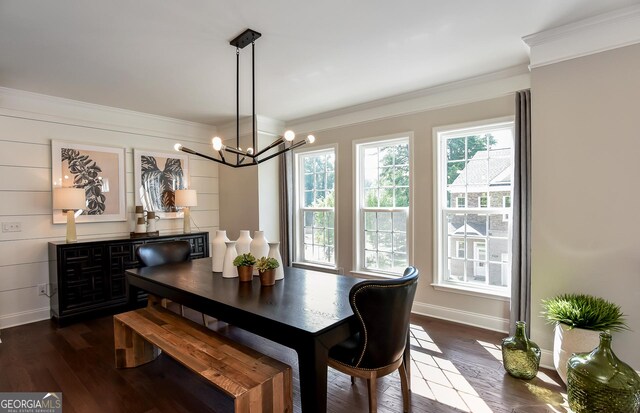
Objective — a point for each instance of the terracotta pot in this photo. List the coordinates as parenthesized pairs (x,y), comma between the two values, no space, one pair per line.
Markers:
(268,277)
(245,272)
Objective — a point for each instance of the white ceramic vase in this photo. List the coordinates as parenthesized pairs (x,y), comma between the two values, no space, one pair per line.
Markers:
(218,250)
(228,269)
(274,252)
(259,247)
(568,341)
(243,243)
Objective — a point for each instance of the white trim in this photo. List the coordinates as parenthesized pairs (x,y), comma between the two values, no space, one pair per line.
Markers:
(474,292)
(19,103)
(463,317)
(439,237)
(597,34)
(297,225)
(357,251)
(484,87)
(546,359)
(25,317)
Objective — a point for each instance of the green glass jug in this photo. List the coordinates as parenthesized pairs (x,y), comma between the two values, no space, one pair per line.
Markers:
(600,382)
(520,356)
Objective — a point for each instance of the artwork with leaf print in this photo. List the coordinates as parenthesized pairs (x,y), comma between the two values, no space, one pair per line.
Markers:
(97,170)
(158,175)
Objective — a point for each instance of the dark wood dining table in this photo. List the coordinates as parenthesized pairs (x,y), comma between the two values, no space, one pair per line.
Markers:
(308,311)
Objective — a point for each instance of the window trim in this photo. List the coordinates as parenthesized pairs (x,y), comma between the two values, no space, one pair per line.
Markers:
(358,219)
(439,237)
(298,225)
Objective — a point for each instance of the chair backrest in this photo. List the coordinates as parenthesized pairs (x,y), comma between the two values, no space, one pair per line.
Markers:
(158,253)
(383,308)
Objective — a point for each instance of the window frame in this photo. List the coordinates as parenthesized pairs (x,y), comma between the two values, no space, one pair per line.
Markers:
(298,209)
(440,262)
(358,147)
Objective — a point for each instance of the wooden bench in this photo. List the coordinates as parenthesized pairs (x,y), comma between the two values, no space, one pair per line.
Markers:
(256,382)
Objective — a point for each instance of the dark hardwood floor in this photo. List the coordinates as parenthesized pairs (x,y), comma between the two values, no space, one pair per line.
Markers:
(455,368)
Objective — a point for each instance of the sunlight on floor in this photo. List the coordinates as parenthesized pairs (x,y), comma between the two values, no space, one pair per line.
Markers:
(493,349)
(438,379)
(420,338)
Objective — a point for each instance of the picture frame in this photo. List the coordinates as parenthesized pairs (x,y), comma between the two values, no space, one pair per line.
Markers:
(156,177)
(100,170)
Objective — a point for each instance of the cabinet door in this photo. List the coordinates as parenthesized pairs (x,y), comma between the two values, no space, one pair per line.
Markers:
(122,256)
(199,247)
(82,279)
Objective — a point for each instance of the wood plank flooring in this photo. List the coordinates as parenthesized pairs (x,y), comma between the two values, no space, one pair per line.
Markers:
(455,368)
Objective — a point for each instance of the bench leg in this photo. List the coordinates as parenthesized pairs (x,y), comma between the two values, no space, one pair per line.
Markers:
(131,349)
(275,395)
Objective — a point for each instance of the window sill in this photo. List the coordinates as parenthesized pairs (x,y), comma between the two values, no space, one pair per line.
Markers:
(492,295)
(315,267)
(374,275)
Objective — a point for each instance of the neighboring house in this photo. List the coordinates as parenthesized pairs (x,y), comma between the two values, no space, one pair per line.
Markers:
(481,237)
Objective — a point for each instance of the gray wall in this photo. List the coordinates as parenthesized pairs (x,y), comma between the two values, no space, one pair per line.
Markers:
(586,144)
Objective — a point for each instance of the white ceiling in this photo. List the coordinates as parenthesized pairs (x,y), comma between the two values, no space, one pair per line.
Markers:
(173,58)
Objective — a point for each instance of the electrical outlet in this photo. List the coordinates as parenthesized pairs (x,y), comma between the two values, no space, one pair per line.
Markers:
(11,227)
(42,289)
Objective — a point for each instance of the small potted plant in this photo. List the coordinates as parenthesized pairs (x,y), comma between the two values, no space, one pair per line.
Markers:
(578,320)
(245,263)
(267,270)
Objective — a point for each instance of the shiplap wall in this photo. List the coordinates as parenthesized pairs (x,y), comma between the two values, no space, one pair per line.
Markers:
(28,123)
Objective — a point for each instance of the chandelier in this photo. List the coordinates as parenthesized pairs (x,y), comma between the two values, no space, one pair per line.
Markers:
(251,156)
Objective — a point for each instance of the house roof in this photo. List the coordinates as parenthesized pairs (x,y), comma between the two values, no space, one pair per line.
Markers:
(496,163)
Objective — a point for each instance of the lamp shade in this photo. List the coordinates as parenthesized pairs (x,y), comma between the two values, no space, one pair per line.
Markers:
(69,198)
(186,198)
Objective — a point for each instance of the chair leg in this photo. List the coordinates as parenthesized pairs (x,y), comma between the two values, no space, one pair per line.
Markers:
(353,380)
(404,384)
(373,395)
(181,310)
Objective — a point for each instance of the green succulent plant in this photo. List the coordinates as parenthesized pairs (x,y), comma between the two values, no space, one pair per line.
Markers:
(265,264)
(244,260)
(584,311)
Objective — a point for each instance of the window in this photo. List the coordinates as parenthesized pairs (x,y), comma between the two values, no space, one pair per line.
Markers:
(474,237)
(315,202)
(383,205)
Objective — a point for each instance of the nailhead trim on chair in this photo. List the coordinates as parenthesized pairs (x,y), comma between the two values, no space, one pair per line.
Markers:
(353,304)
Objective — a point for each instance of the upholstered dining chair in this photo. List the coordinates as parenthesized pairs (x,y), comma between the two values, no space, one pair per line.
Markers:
(382,308)
(159,253)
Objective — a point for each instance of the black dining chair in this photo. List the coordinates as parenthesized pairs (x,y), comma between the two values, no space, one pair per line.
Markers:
(159,253)
(382,309)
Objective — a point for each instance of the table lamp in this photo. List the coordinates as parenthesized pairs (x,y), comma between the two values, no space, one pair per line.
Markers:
(69,200)
(186,198)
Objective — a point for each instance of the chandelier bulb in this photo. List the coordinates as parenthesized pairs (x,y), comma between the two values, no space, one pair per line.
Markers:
(250,151)
(177,147)
(289,135)
(217,143)
(311,139)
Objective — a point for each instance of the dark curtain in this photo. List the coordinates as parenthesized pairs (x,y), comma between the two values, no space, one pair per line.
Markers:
(286,207)
(521,204)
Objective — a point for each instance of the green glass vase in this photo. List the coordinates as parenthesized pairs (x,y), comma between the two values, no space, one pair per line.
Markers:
(600,382)
(520,356)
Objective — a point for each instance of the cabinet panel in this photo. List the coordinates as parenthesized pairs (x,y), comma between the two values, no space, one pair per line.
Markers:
(88,278)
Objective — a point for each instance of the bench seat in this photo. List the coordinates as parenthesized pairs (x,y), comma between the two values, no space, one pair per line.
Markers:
(256,382)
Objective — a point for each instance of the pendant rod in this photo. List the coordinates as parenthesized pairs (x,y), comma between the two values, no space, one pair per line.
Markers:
(253,94)
(237,100)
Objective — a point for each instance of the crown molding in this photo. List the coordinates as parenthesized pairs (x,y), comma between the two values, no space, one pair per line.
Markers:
(20,103)
(487,86)
(597,34)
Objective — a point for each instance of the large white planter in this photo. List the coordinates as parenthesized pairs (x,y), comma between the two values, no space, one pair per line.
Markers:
(568,341)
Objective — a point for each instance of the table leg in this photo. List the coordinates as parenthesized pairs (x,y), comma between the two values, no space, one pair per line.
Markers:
(312,365)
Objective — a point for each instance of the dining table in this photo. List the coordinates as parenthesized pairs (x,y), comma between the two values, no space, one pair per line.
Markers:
(307,311)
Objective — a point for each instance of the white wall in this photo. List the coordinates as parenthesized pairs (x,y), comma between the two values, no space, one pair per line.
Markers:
(28,123)
(586,145)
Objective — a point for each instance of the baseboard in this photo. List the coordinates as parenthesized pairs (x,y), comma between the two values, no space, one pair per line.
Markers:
(546,359)
(463,317)
(25,317)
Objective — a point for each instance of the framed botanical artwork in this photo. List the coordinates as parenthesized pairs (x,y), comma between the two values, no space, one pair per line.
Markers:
(157,175)
(99,170)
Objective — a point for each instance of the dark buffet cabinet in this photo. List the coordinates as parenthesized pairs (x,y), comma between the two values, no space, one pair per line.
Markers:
(88,277)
